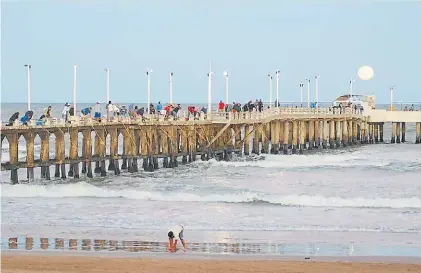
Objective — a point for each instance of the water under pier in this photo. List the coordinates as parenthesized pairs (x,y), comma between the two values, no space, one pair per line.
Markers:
(144,142)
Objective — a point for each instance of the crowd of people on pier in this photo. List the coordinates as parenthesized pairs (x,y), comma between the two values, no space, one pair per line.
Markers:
(116,112)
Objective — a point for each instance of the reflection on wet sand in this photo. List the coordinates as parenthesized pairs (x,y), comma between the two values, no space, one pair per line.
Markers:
(97,245)
(132,246)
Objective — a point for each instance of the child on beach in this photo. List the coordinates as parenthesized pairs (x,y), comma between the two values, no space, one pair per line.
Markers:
(174,234)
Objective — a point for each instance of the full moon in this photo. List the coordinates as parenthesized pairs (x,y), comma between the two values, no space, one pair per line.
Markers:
(365,73)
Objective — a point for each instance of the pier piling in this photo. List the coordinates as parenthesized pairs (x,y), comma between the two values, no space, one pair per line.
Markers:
(398,132)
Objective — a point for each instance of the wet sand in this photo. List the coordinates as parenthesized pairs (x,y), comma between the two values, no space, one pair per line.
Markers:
(21,263)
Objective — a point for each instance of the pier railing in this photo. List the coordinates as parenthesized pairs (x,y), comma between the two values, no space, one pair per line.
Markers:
(186,117)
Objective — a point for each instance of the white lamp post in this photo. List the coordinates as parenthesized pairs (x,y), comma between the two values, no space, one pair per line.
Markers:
(351,82)
(226,86)
(74,88)
(270,90)
(308,93)
(28,68)
(392,89)
(301,92)
(317,90)
(171,75)
(209,111)
(277,88)
(148,74)
(107,71)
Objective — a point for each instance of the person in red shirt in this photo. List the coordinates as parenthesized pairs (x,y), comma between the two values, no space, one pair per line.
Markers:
(221,106)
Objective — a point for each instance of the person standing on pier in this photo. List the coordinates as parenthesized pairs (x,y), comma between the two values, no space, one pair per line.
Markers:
(221,106)
(174,234)
(65,112)
(159,108)
(97,111)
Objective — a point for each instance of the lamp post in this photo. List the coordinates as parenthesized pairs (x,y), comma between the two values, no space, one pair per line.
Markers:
(270,90)
(351,82)
(392,89)
(301,92)
(74,88)
(148,74)
(308,93)
(226,86)
(277,88)
(209,111)
(317,90)
(107,71)
(28,68)
(171,75)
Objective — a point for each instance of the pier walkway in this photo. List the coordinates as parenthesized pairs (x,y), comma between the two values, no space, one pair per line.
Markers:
(275,131)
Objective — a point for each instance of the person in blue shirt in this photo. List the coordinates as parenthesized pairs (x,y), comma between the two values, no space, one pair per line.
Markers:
(86,111)
(159,107)
(27,118)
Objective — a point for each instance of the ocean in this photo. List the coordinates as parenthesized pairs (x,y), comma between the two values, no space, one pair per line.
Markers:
(359,200)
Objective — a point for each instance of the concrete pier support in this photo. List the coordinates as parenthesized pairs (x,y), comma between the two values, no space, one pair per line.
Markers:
(303,134)
(13,156)
(257,133)
(265,138)
(174,148)
(114,151)
(376,133)
(246,139)
(124,165)
(370,133)
(398,132)
(45,154)
(338,133)
(325,134)
(144,151)
(295,137)
(362,132)
(393,139)
(403,132)
(155,148)
(316,134)
(332,134)
(354,132)
(283,136)
(286,137)
(30,151)
(381,132)
(184,145)
(310,134)
(73,154)
(418,132)
(345,133)
(237,140)
(101,151)
(164,147)
(59,155)
(274,137)
(87,152)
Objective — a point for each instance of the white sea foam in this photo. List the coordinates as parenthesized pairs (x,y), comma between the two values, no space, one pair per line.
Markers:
(83,189)
(300,161)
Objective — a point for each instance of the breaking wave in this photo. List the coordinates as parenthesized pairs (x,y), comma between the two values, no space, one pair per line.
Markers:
(84,189)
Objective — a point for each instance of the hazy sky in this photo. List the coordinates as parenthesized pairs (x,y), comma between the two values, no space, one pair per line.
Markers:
(248,38)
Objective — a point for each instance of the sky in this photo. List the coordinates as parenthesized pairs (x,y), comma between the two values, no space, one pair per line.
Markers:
(247,38)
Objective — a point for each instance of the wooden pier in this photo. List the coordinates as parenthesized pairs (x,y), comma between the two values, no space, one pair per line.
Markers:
(275,131)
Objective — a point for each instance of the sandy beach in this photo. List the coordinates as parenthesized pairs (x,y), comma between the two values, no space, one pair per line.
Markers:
(17,263)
